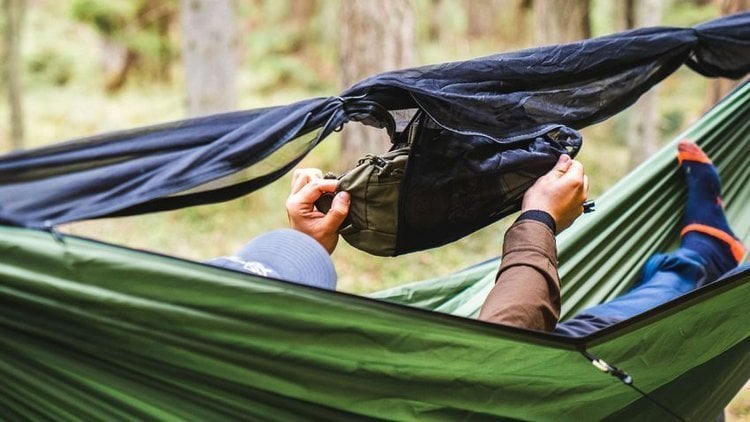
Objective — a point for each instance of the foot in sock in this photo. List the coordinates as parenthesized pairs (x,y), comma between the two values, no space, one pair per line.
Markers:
(706,229)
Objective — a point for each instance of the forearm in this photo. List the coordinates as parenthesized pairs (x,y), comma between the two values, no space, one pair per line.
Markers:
(527,291)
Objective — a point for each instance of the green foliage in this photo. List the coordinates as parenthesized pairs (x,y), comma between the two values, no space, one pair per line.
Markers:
(109,17)
(149,44)
(672,122)
(288,49)
(142,27)
(50,67)
(689,12)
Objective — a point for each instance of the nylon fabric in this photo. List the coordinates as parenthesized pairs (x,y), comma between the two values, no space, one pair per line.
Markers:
(602,253)
(91,330)
(505,98)
(456,184)
(373,187)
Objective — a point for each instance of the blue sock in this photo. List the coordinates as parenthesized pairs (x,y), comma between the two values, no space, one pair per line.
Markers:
(705,227)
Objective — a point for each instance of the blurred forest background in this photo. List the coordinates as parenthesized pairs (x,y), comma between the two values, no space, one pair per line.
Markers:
(73,68)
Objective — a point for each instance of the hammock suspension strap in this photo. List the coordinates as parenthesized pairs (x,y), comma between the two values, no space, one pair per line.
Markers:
(626,379)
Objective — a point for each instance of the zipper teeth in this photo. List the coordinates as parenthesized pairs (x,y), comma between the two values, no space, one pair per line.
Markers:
(414,134)
(372,157)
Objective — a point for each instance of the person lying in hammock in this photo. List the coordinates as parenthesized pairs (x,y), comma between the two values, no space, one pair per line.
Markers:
(527,291)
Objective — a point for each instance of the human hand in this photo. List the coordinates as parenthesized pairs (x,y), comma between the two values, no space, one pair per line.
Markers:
(561,192)
(308,185)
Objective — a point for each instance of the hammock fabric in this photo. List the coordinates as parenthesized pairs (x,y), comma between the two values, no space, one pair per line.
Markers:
(95,331)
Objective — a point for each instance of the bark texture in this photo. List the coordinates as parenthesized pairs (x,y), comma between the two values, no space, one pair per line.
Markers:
(558,22)
(720,87)
(209,55)
(644,135)
(375,36)
(14,11)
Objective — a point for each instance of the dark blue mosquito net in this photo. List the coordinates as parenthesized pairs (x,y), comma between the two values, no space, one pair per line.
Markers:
(490,104)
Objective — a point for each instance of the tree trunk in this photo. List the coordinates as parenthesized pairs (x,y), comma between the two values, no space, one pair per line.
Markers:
(299,23)
(375,36)
(643,136)
(559,25)
(14,13)
(481,15)
(209,55)
(117,60)
(157,17)
(301,11)
(435,24)
(624,15)
(720,87)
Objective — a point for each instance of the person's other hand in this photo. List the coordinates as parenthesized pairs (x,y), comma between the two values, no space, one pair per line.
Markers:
(561,192)
(308,185)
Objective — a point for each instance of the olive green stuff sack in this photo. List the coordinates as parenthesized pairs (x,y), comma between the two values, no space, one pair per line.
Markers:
(374,186)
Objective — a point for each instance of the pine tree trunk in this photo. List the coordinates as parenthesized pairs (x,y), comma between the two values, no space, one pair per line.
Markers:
(481,15)
(624,15)
(301,11)
(720,87)
(435,29)
(556,24)
(299,24)
(375,36)
(643,135)
(209,54)
(14,13)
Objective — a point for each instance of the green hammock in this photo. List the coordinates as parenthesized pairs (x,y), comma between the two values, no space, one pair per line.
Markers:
(94,331)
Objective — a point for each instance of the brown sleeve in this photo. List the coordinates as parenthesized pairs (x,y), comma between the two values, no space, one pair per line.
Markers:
(527,291)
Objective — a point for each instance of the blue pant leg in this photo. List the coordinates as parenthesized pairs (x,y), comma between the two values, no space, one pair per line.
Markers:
(737,270)
(665,276)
